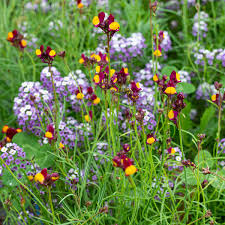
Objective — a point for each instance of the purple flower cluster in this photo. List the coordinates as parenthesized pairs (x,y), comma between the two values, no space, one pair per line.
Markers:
(124,49)
(14,158)
(200,25)
(185,76)
(28,106)
(43,5)
(205,91)
(145,76)
(221,56)
(204,56)
(65,86)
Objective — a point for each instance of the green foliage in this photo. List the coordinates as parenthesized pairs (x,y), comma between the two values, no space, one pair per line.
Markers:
(167,70)
(217,181)
(192,177)
(34,151)
(186,88)
(204,159)
(207,123)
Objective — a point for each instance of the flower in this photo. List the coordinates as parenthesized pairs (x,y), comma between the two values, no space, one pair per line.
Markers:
(126,147)
(16,39)
(171,150)
(46,56)
(80,5)
(44,178)
(4,129)
(157,53)
(114,26)
(172,115)
(150,139)
(50,132)
(109,26)
(125,163)
(170,90)
(95,100)
(89,116)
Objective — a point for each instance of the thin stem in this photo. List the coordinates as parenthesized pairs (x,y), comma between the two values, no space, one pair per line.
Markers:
(50,202)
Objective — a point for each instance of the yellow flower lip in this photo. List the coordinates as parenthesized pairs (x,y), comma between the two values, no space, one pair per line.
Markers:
(52,53)
(23,43)
(87,118)
(10,36)
(178,76)
(98,69)
(54,178)
(96,21)
(5,128)
(38,52)
(39,178)
(213,98)
(61,145)
(138,85)
(96,79)
(96,101)
(112,71)
(48,135)
(114,26)
(80,5)
(155,78)
(172,151)
(171,114)
(81,60)
(80,96)
(157,53)
(150,140)
(130,170)
(170,90)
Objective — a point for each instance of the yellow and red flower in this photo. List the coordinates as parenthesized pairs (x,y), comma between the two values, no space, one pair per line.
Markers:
(80,5)
(50,132)
(44,178)
(125,163)
(95,99)
(17,40)
(46,56)
(150,139)
(89,116)
(171,151)
(109,26)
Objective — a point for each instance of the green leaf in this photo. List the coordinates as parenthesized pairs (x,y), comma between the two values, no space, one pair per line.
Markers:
(8,179)
(168,70)
(217,181)
(33,149)
(206,118)
(192,177)
(205,159)
(186,88)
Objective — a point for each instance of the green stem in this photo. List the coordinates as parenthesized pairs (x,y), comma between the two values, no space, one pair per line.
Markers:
(50,202)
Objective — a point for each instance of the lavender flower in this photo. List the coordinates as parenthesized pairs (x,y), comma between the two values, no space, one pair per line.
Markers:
(14,157)
(200,25)
(205,91)
(28,111)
